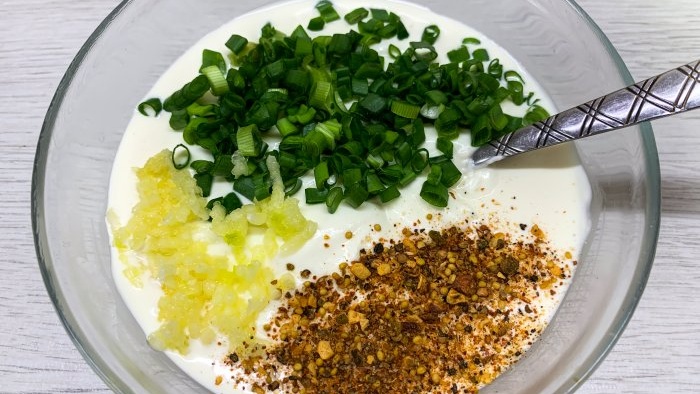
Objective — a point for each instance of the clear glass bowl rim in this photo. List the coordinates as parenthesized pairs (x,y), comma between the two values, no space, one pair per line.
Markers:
(653,210)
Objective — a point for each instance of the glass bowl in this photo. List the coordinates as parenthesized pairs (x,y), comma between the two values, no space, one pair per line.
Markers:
(553,39)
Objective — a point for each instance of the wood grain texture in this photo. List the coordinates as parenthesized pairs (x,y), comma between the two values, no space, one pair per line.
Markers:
(659,351)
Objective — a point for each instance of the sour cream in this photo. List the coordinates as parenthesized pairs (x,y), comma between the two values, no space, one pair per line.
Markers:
(549,188)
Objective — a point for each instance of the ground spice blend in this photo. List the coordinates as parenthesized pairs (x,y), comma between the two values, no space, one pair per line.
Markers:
(442,312)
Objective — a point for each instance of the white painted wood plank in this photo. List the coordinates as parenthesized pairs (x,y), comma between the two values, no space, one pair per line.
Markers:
(659,351)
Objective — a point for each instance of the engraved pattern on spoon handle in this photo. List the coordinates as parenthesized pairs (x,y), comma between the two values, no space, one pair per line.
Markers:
(669,93)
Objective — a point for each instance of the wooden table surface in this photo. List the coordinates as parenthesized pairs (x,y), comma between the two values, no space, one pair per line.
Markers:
(658,353)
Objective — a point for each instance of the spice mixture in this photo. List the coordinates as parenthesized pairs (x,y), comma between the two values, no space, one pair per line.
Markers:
(442,312)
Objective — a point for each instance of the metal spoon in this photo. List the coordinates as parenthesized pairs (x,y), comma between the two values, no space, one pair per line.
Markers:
(670,93)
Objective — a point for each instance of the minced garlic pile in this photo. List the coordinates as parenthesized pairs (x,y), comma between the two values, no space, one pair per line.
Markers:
(214,275)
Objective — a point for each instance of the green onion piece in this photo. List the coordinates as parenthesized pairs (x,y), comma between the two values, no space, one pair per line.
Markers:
(321,95)
(380,14)
(216,79)
(481,55)
(535,114)
(407,178)
(352,176)
(360,87)
(401,31)
(286,127)
(375,161)
(498,120)
(196,109)
(249,141)
(178,162)
(222,166)
(334,198)
(405,110)
(213,58)
(179,119)
(470,41)
(296,185)
(420,160)
(450,173)
(152,104)
(355,195)
(246,187)
(373,103)
(356,15)
(187,95)
(374,184)
(513,76)
(458,55)
(201,166)
(307,116)
(321,174)
(435,175)
(390,193)
(236,43)
(424,51)
(394,51)
(204,181)
(316,24)
(231,202)
(445,146)
(436,195)
(447,123)
(328,13)
(315,196)
(303,47)
(430,34)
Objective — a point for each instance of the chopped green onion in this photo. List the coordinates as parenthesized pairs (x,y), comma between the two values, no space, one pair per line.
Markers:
(445,146)
(201,166)
(236,43)
(205,182)
(355,195)
(222,166)
(248,141)
(328,13)
(430,34)
(471,41)
(450,173)
(187,95)
(334,198)
(390,193)
(213,58)
(374,184)
(458,55)
(216,78)
(436,195)
(373,103)
(178,162)
(315,196)
(316,24)
(231,202)
(405,110)
(296,185)
(152,104)
(356,15)
(340,109)
(380,14)
(286,127)
(352,176)
(481,55)
(179,119)
(321,174)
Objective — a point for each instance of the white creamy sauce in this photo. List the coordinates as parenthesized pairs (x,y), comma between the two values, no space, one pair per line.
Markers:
(548,188)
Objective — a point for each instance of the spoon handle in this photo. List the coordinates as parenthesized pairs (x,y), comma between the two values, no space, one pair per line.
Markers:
(666,94)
